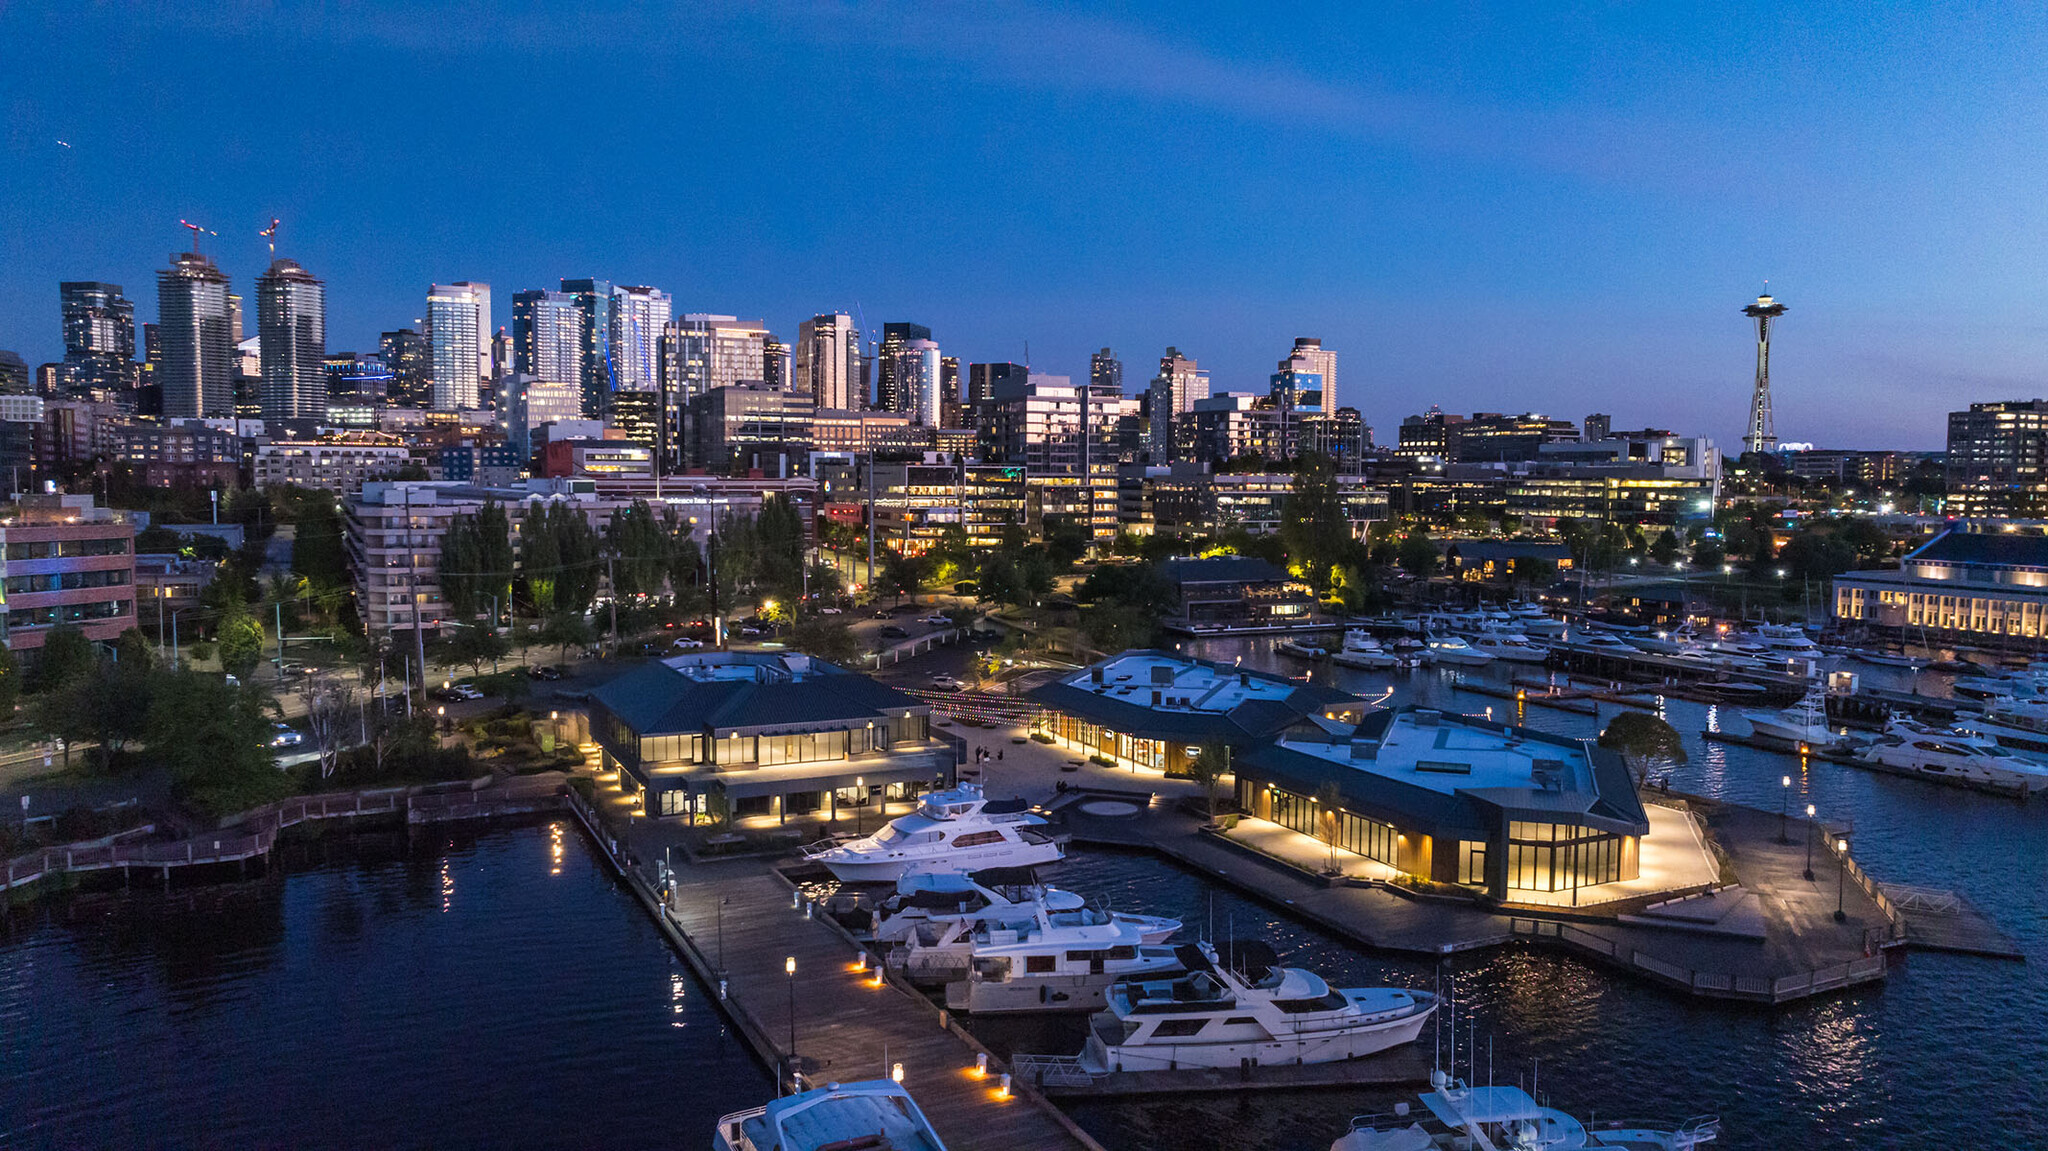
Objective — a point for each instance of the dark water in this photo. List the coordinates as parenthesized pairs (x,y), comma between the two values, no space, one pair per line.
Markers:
(1952,1051)
(487,990)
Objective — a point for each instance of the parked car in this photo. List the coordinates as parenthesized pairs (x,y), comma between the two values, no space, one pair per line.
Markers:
(546,671)
(945,682)
(894,632)
(285,735)
(755,629)
(828,611)
(687,644)
(466,691)
(879,613)
(938,621)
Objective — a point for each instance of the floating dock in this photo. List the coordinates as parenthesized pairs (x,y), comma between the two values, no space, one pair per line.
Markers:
(1403,1066)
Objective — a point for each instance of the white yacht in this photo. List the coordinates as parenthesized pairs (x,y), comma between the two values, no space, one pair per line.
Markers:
(952,830)
(877,1115)
(1786,641)
(1508,1119)
(1299,649)
(1804,723)
(959,903)
(2017,723)
(1679,639)
(1502,642)
(1606,643)
(1049,961)
(1452,650)
(1957,759)
(1535,622)
(1224,1013)
(1362,651)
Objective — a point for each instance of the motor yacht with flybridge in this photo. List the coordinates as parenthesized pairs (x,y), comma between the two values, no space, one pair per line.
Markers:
(958,903)
(1238,1005)
(876,1115)
(958,829)
(1509,1119)
(1048,961)
(1954,756)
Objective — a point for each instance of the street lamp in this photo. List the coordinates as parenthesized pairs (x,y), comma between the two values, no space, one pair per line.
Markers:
(789,969)
(1784,802)
(1841,877)
(860,802)
(1809,843)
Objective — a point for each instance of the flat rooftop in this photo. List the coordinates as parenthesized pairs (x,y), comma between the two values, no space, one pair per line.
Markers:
(1183,685)
(1447,754)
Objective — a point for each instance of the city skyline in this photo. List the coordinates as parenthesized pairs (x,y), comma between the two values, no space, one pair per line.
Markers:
(1457,202)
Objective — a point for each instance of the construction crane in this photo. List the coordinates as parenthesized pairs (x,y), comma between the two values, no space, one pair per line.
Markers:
(270,234)
(197,231)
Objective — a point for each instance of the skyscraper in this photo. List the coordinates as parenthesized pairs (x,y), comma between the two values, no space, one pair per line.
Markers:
(1106,373)
(710,351)
(291,327)
(638,316)
(196,335)
(828,361)
(776,371)
(99,338)
(594,305)
(984,379)
(1322,362)
(1174,390)
(547,340)
(410,356)
(891,393)
(459,325)
(914,368)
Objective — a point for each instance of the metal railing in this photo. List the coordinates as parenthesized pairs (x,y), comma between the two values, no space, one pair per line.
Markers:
(1721,983)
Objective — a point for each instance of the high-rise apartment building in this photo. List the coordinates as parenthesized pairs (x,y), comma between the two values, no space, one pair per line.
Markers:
(594,308)
(891,393)
(914,372)
(1321,361)
(196,335)
(459,325)
(711,351)
(639,315)
(949,377)
(410,356)
(1066,439)
(1106,373)
(828,361)
(984,379)
(548,340)
(99,338)
(291,328)
(1997,463)
(776,370)
(1180,382)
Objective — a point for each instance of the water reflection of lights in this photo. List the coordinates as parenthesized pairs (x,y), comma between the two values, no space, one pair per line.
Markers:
(447,887)
(678,990)
(555,849)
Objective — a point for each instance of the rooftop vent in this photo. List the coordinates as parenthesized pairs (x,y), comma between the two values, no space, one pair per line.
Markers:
(1095,673)
(1364,749)
(1548,773)
(1162,674)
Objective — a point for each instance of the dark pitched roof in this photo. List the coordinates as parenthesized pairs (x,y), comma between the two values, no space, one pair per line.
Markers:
(1220,568)
(1993,549)
(656,699)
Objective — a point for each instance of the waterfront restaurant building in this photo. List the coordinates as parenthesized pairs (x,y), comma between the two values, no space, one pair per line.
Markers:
(1454,799)
(1235,591)
(1152,710)
(767,734)
(1966,584)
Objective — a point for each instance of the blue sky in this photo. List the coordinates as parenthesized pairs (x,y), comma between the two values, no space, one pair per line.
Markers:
(1517,207)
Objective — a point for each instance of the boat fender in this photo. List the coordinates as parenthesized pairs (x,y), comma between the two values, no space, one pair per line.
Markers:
(1044,995)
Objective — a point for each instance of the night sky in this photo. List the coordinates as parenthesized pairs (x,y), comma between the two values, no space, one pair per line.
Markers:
(1496,208)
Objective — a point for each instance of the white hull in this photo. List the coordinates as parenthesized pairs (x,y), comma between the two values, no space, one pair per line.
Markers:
(1813,735)
(1516,653)
(1309,1047)
(1461,657)
(1366,661)
(889,870)
(1957,769)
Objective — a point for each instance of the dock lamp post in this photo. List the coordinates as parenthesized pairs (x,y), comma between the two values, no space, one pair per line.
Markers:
(1841,878)
(789,969)
(1809,843)
(1784,809)
(860,805)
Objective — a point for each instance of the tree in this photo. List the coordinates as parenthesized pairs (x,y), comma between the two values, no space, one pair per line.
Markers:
(902,574)
(240,638)
(331,715)
(10,683)
(493,528)
(580,561)
(825,637)
(1313,526)
(1417,554)
(215,741)
(1210,764)
(1328,798)
(1665,550)
(540,560)
(566,630)
(1066,540)
(639,549)
(104,705)
(461,566)
(1643,739)
(65,657)
(475,645)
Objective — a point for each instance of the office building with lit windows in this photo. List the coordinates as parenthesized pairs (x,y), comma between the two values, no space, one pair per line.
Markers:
(196,336)
(1514,813)
(1997,459)
(459,330)
(1984,584)
(291,329)
(765,735)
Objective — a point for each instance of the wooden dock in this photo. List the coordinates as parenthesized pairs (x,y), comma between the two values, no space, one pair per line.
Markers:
(1946,921)
(1404,1066)
(836,1020)
(255,833)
